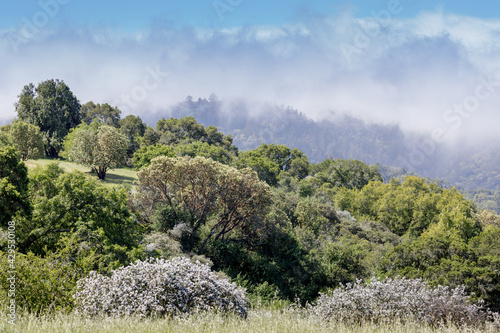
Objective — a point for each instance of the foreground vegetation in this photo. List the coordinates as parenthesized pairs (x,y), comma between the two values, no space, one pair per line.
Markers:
(266,219)
(257,321)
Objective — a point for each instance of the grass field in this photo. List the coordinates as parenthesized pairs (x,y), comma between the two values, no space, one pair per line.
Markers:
(258,321)
(121,176)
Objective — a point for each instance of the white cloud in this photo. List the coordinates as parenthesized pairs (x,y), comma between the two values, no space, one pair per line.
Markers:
(407,71)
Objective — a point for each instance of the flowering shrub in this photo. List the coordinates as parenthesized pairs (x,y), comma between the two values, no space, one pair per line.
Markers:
(399,299)
(158,287)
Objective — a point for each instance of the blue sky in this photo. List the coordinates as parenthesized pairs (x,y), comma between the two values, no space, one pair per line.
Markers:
(132,15)
(325,58)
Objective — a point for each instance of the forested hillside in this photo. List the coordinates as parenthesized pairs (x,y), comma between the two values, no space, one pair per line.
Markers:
(468,167)
(274,220)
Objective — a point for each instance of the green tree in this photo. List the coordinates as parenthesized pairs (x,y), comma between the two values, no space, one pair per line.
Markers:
(13,186)
(205,149)
(150,138)
(72,204)
(53,108)
(143,156)
(220,199)
(175,130)
(101,149)
(133,128)
(27,140)
(104,113)
(345,173)
(269,160)
(5,138)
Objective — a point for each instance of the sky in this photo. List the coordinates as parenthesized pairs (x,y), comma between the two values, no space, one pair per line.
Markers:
(430,66)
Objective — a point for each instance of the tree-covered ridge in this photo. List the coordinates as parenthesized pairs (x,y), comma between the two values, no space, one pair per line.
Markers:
(346,137)
(267,217)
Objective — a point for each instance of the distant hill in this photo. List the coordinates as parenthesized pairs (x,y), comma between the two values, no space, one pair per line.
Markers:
(344,137)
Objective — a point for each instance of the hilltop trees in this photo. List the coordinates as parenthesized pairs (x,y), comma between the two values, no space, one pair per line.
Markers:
(269,160)
(27,140)
(98,147)
(133,128)
(53,108)
(185,137)
(104,114)
(345,173)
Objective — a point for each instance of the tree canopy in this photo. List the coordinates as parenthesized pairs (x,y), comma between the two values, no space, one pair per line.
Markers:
(13,186)
(225,201)
(53,108)
(98,147)
(269,160)
(103,113)
(27,140)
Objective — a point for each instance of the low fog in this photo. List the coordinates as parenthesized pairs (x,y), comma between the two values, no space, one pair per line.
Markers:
(433,72)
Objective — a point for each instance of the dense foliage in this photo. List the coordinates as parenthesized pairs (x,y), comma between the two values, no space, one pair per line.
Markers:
(269,219)
(53,108)
(13,186)
(99,147)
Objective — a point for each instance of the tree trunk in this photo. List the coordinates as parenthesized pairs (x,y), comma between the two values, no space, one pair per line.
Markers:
(101,173)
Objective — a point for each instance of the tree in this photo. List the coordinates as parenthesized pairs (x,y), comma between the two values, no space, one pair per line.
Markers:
(53,108)
(219,198)
(101,149)
(133,128)
(72,204)
(150,138)
(269,160)
(205,149)
(175,130)
(143,156)
(5,138)
(13,186)
(104,113)
(27,140)
(346,173)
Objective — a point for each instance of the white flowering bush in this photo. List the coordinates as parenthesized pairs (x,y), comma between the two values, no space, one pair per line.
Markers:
(158,287)
(399,299)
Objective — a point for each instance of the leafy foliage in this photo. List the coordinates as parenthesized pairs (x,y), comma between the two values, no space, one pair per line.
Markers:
(67,204)
(219,198)
(270,160)
(133,128)
(27,140)
(144,155)
(13,186)
(104,114)
(101,149)
(41,284)
(351,174)
(53,108)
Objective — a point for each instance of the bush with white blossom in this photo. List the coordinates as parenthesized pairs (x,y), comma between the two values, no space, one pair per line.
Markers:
(400,299)
(157,288)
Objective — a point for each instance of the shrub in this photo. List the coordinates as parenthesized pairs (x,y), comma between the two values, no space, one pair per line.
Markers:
(40,285)
(399,299)
(156,288)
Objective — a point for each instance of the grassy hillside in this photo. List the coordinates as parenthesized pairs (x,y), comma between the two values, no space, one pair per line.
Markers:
(121,176)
